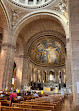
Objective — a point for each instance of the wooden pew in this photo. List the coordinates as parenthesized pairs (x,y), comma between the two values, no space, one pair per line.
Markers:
(6,108)
(55,104)
(42,101)
(36,106)
(5,103)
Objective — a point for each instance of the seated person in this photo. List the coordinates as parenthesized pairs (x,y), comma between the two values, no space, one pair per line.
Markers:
(2,95)
(1,91)
(22,93)
(19,97)
(35,94)
(28,93)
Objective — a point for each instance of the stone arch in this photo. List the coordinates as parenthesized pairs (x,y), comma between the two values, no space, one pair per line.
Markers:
(5,12)
(4,22)
(40,14)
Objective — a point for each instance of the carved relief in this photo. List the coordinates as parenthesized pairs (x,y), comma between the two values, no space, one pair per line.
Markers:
(61,7)
(16,15)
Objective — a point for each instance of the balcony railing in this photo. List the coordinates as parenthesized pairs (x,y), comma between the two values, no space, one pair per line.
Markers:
(32,2)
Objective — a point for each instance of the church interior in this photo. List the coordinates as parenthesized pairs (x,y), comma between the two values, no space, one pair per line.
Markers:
(39,53)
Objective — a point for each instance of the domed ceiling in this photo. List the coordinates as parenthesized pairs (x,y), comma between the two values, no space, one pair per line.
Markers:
(47,51)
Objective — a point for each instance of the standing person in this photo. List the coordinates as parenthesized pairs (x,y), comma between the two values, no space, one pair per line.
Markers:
(13,96)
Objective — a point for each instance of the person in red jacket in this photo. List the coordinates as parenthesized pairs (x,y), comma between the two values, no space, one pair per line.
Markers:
(13,96)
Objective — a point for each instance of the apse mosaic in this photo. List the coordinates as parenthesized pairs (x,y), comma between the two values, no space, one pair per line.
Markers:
(48,51)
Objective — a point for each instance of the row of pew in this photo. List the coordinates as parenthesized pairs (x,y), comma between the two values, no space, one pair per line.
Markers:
(45,103)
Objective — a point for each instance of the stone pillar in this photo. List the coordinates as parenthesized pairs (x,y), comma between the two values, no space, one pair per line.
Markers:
(40,1)
(6,62)
(26,2)
(6,59)
(56,76)
(62,77)
(41,75)
(25,75)
(29,73)
(43,1)
(74,37)
(19,68)
(34,2)
(35,74)
(47,76)
(68,66)
(32,74)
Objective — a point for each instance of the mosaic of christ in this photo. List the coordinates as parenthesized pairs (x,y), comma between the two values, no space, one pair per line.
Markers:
(48,51)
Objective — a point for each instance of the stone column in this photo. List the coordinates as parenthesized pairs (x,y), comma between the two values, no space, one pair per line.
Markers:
(35,72)
(19,68)
(41,76)
(68,66)
(31,76)
(40,1)
(26,2)
(56,76)
(25,75)
(6,69)
(37,75)
(29,73)
(47,76)
(43,1)
(58,73)
(74,38)
(62,77)
(6,59)
(34,2)
(32,73)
